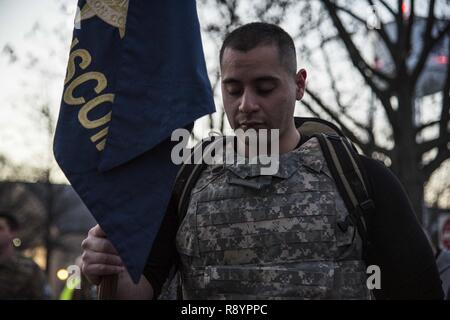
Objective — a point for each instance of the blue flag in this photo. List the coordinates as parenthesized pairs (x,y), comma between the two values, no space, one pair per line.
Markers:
(136,72)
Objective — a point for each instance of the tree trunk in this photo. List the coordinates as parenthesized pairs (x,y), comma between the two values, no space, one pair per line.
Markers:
(406,160)
(405,167)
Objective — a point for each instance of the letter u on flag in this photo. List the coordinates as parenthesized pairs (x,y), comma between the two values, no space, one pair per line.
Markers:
(136,72)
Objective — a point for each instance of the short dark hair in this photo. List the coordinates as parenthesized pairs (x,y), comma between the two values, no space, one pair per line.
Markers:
(252,35)
(10,220)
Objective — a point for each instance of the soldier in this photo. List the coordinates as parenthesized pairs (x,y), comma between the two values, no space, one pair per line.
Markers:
(282,236)
(20,277)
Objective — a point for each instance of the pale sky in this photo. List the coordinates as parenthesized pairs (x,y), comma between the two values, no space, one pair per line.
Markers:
(26,85)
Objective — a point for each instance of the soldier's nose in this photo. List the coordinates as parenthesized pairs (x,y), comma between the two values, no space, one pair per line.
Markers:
(248,103)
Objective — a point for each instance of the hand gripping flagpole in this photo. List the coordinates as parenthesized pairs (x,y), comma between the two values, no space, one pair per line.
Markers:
(107,289)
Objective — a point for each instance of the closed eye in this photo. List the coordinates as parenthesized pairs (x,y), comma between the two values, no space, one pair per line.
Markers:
(265,85)
(233,89)
(264,91)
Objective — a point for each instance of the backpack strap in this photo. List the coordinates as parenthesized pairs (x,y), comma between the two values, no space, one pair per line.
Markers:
(185,181)
(344,163)
(187,177)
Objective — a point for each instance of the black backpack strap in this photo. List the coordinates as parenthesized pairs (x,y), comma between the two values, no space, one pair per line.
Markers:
(187,177)
(185,181)
(344,163)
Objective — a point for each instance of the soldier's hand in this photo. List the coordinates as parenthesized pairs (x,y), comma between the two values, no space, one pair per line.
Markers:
(100,258)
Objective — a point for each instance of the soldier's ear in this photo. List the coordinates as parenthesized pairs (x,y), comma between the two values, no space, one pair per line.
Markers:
(300,80)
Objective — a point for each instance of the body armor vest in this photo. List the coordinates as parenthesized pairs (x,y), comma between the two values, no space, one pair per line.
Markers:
(285,236)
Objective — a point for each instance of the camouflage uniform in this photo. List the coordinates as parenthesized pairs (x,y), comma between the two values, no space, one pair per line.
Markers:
(21,278)
(247,236)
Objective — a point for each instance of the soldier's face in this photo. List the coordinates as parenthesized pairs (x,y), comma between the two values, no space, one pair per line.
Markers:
(257,90)
(6,234)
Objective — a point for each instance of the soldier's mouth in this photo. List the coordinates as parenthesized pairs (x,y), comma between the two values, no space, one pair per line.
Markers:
(252,125)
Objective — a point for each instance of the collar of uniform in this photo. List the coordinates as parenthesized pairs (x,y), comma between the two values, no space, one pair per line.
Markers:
(309,155)
(288,163)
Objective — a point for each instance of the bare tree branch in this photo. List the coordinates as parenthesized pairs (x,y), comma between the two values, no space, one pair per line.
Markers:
(382,32)
(436,162)
(229,13)
(214,89)
(428,43)
(367,148)
(312,25)
(337,93)
(402,42)
(399,20)
(445,110)
(388,7)
(335,118)
(269,4)
(444,134)
(358,61)
(383,35)
(427,125)
(409,27)
(310,108)
(439,142)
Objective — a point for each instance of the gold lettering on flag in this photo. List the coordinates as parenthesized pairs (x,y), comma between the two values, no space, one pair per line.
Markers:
(113,12)
(99,138)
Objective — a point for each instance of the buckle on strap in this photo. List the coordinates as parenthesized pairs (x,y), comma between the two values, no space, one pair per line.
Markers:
(367,206)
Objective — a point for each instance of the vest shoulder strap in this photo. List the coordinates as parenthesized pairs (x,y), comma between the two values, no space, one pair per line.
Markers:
(186,178)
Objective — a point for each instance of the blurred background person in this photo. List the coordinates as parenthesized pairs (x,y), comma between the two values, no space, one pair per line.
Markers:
(20,277)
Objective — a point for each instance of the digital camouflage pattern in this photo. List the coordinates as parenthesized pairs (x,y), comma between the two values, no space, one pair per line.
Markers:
(247,236)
